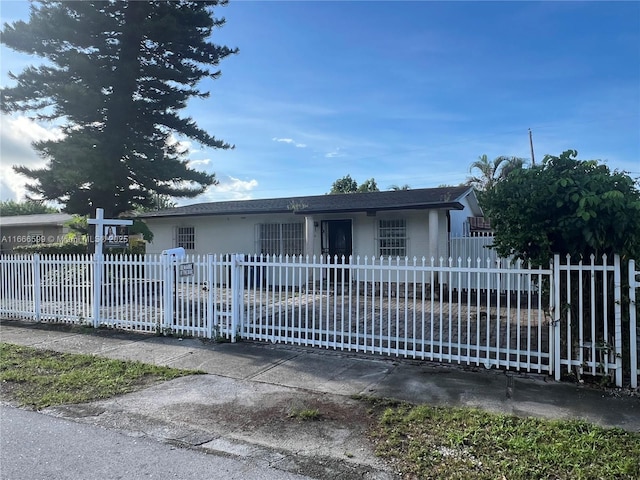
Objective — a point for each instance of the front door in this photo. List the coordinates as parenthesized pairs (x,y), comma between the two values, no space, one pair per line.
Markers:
(337,242)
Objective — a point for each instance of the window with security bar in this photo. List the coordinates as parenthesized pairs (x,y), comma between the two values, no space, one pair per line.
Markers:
(280,238)
(392,238)
(186,237)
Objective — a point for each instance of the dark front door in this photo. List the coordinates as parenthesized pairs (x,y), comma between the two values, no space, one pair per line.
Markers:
(337,241)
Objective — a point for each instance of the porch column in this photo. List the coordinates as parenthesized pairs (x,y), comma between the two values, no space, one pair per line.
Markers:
(309,234)
(433,236)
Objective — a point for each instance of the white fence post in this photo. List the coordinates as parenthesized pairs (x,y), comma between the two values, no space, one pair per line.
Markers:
(96,287)
(210,297)
(167,283)
(236,294)
(633,333)
(556,312)
(617,305)
(37,289)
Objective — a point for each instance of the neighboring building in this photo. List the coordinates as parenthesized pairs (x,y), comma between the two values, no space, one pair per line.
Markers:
(466,222)
(479,227)
(29,229)
(392,223)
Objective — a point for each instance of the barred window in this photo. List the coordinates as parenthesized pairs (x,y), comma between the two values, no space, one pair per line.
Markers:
(392,238)
(280,238)
(186,237)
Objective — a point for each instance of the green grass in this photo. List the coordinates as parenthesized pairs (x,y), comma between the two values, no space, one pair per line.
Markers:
(456,443)
(422,441)
(37,378)
(305,414)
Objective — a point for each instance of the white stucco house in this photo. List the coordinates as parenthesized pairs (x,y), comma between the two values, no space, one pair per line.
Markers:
(22,230)
(391,223)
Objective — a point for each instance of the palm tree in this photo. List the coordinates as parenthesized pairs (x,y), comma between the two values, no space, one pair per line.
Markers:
(491,172)
(397,188)
(512,164)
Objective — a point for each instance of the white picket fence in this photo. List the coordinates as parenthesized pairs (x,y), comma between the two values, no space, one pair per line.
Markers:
(545,320)
(400,307)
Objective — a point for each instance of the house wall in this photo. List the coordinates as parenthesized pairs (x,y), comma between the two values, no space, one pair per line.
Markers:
(213,234)
(236,234)
(11,237)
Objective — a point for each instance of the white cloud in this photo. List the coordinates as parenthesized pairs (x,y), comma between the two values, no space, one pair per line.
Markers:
(235,185)
(335,153)
(229,188)
(283,140)
(16,136)
(182,145)
(197,163)
(290,141)
(17,133)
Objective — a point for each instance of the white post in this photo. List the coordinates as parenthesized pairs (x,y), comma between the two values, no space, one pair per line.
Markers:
(433,241)
(433,234)
(236,293)
(210,298)
(617,298)
(98,259)
(633,333)
(169,261)
(552,298)
(167,282)
(309,235)
(37,289)
(555,312)
(309,240)
(98,262)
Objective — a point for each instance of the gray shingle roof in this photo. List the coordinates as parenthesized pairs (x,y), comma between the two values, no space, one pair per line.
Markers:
(443,197)
(36,219)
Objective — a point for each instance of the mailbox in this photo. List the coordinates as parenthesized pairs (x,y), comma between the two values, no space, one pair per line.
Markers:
(177,252)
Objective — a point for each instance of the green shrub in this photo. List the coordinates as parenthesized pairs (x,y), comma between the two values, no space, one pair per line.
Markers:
(53,248)
(136,247)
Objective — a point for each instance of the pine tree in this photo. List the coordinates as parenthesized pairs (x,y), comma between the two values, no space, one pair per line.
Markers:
(116,75)
(10,208)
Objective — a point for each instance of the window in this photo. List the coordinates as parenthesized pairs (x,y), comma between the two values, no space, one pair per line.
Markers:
(35,237)
(392,238)
(280,238)
(186,238)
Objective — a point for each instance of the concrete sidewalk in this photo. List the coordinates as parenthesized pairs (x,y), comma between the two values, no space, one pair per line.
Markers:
(245,376)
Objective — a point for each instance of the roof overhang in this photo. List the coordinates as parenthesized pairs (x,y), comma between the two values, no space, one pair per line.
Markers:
(441,198)
(36,220)
(372,211)
(311,211)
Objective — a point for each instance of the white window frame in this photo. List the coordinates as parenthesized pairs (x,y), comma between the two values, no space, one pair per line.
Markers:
(392,238)
(280,238)
(186,237)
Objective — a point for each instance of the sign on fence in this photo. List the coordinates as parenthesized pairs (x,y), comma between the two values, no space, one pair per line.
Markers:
(185,270)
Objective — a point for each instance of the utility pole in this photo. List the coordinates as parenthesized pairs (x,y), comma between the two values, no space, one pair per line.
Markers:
(533,159)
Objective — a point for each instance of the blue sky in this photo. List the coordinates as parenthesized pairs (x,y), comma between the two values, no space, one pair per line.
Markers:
(404,92)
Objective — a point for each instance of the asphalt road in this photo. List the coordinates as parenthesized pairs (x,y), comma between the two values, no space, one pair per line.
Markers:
(37,446)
